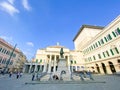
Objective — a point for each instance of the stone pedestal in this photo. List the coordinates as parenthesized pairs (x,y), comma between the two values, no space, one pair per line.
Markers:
(63,68)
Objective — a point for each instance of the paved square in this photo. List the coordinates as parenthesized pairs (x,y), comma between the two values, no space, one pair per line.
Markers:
(104,82)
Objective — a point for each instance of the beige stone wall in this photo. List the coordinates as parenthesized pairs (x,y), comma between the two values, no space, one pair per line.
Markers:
(111,47)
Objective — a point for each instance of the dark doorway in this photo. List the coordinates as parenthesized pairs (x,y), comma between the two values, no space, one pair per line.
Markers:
(104,68)
(119,63)
(56,68)
(97,67)
(38,68)
(112,68)
(52,69)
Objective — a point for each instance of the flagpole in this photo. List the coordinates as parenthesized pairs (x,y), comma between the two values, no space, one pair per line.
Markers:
(7,63)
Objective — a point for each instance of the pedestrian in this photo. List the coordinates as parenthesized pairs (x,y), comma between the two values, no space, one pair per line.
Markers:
(10,74)
(90,75)
(17,76)
(81,75)
(21,74)
(33,76)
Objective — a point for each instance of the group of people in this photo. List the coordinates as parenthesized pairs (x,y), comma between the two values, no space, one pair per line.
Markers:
(18,74)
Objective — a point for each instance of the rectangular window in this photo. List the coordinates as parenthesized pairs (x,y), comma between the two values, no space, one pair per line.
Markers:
(99,43)
(116,50)
(40,60)
(89,48)
(102,42)
(105,39)
(109,37)
(118,30)
(74,62)
(99,56)
(104,54)
(94,58)
(107,53)
(113,34)
(0,59)
(90,59)
(36,60)
(0,49)
(111,52)
(96,44)
(92,47)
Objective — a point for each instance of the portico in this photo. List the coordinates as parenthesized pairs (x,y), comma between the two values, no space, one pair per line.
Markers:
(46,60)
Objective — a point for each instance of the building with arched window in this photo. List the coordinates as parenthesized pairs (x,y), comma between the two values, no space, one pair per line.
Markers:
(100,47)
(96,48)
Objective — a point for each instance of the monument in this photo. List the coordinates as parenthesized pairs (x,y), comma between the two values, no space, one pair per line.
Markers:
(62,72)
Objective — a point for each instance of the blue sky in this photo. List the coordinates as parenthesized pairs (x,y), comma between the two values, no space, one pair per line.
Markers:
(34,24)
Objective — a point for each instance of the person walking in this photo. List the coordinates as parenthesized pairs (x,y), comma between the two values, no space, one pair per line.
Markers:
(90,75)
(17,76)
(33,76)
(10,74)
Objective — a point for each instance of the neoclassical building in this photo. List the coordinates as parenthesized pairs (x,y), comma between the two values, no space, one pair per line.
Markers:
(96,48)
(100,47)
(46,60)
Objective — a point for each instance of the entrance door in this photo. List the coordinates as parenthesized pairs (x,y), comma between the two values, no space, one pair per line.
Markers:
(104,68)
(97,67)
(112,67)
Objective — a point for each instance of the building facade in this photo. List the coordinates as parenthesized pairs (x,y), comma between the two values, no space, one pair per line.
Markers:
(96,49)
(5,53)
(100,47)
(46,60)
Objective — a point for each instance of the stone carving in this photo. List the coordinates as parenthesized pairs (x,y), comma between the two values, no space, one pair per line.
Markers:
(61,52)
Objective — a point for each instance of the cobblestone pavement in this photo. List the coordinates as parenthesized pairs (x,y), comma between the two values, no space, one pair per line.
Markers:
(104,82)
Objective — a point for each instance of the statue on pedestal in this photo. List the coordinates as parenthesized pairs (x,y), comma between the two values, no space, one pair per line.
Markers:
(61,52)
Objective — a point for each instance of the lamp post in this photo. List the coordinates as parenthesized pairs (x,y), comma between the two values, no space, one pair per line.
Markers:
(6,67)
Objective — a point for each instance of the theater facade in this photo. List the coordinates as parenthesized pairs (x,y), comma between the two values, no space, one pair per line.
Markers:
(96,49)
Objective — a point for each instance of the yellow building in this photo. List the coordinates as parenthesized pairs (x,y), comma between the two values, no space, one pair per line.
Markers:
(46,60)
(100,47)
(5,52)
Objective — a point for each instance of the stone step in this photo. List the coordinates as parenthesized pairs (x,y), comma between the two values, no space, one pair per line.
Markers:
(65,82)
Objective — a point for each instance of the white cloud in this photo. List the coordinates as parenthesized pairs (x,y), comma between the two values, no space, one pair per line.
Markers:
(30,44)
(11,1)
(26,5)
(7,39)
(9,8)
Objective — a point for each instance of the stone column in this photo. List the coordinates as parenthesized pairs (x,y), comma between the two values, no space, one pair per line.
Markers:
(24,68)
(35,68)
(30,68)
(101,69)
(45,66)
(75,68)
(55,64)
(69,64)
(108,68)
(49,68)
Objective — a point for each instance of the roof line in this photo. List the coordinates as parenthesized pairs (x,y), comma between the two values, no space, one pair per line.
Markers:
(87,26)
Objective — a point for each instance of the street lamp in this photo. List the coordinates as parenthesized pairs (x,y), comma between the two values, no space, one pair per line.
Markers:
(6,67)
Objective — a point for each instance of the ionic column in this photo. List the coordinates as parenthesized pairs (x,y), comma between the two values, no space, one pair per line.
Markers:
(45,66)
(68,61)
(55,64)
(49,68)
(24,68)
(35,68)
(30,68)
